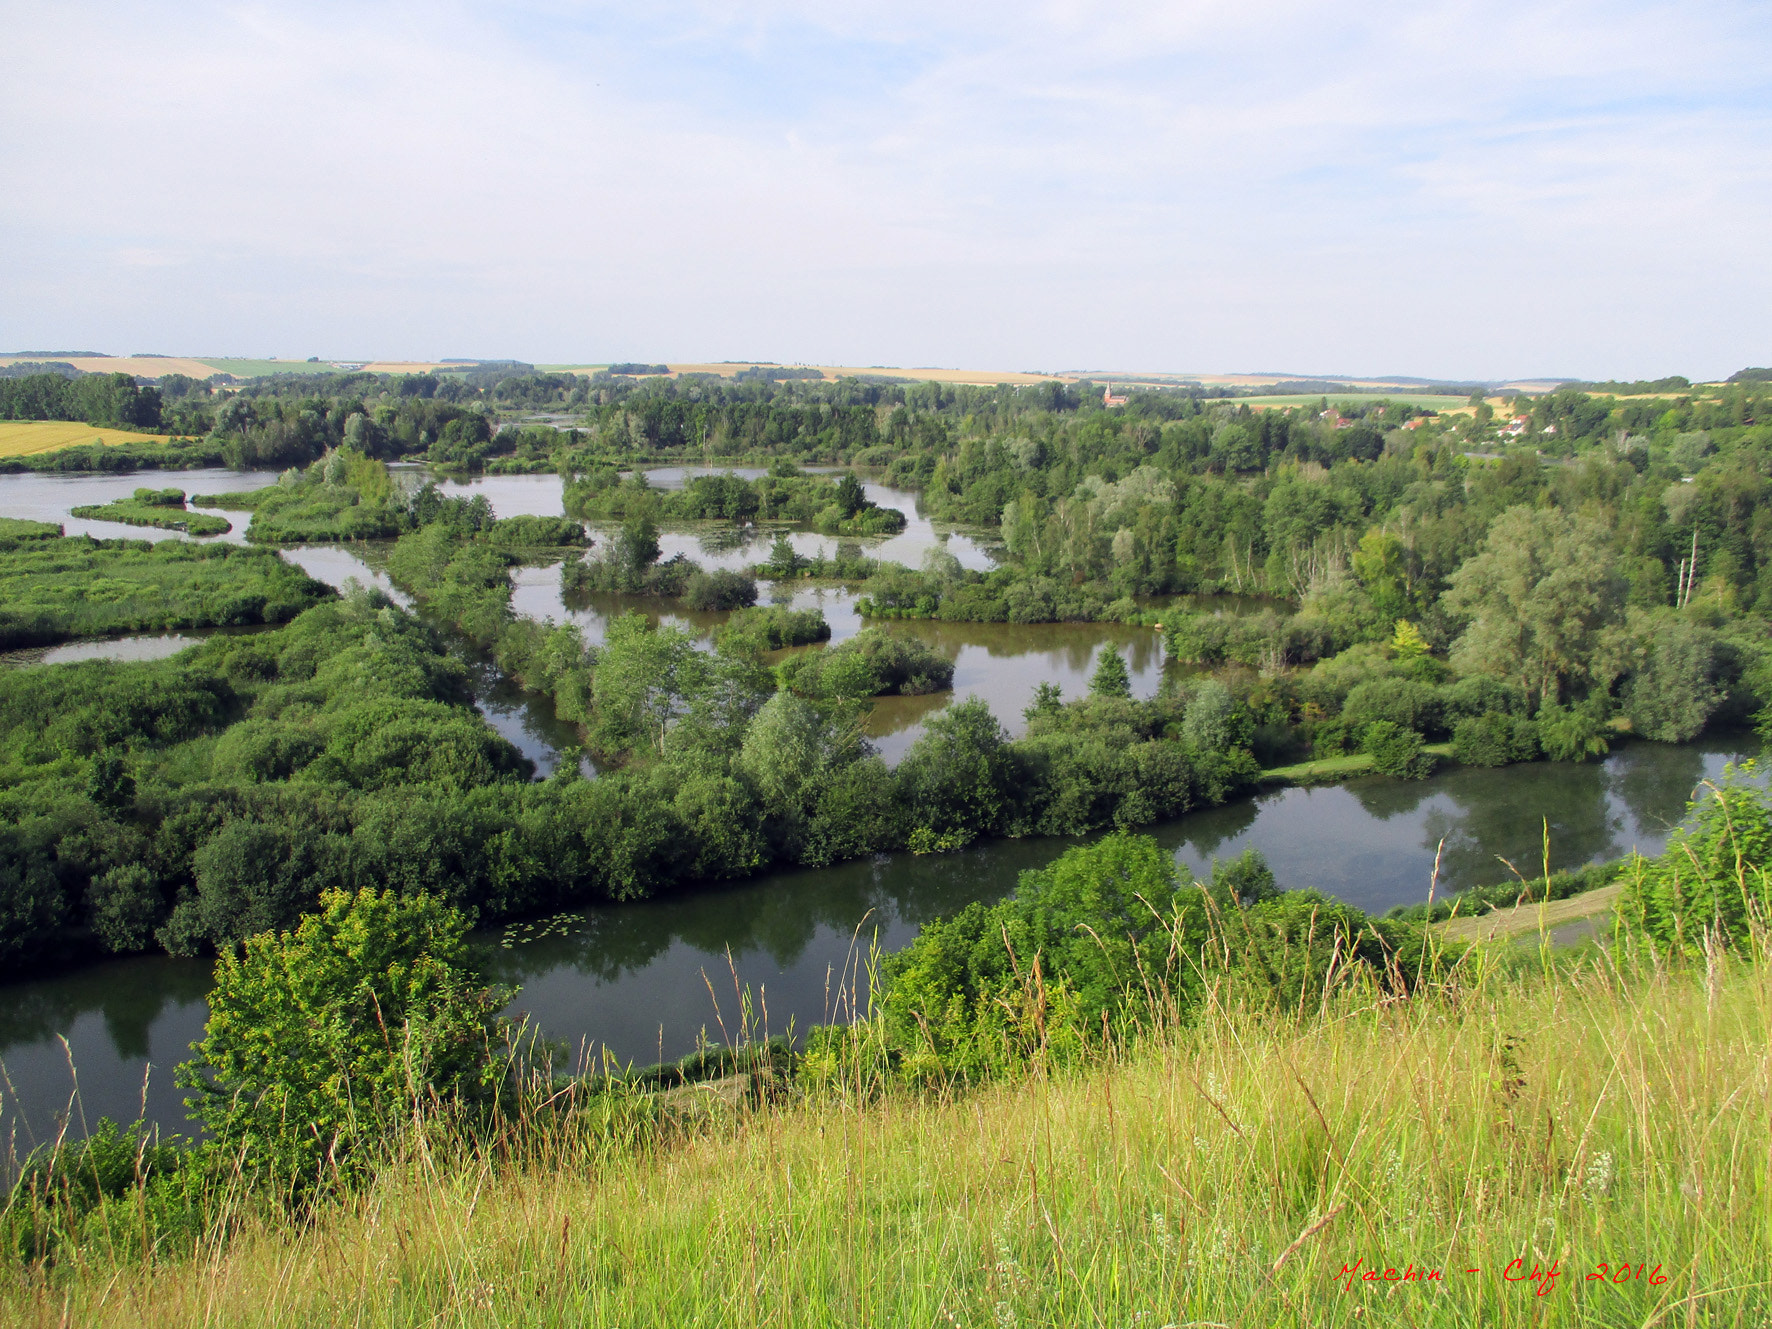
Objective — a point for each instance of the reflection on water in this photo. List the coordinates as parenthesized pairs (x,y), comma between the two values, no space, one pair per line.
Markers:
(156,647)
(1372,841)
(648,979)
(510,495)
(127,1024)
(526,720)
(1005,663)
(338,565)
(47,496)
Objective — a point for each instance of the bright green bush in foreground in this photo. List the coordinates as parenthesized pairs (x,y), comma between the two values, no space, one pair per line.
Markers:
(322,1040)
(1709,887)
(1108,939)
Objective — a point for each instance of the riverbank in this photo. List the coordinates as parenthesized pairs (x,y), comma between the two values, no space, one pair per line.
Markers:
(1596,1122)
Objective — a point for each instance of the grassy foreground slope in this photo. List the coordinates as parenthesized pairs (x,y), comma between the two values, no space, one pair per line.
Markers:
(1221,1175)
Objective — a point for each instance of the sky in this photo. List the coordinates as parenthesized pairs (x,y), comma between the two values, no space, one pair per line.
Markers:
(1422,187)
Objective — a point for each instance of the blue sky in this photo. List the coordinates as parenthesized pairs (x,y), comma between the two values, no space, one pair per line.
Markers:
(1442,189)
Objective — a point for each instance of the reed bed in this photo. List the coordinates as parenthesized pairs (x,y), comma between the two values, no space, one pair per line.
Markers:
(1603,1123)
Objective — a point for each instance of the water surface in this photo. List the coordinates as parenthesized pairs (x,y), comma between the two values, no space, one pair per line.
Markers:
(652,979)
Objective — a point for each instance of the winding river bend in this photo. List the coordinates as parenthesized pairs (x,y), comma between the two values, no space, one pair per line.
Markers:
(650,980)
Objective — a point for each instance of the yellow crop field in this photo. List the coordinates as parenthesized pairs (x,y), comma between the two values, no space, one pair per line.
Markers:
(401,366)
(25,438)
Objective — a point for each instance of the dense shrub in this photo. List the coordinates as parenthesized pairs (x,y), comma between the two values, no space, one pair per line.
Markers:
(870,664)
(720,590)
(1396,751)
(1712,877)
(323,1040)
(1403,702)
(1494,739)
(771,628)
(119,1187)
(1102,941)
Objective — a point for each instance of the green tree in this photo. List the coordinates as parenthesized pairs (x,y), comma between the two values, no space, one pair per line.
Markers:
(1538,596)
(1209,722)
(646,678)
(960,777)
(32,904)
(323,1041)
(1245,879)
(1396,751)
(851,498)
(783,560)
(1080,946)
(1672,693)
(1381,563)
(1048,701)
(1110,678)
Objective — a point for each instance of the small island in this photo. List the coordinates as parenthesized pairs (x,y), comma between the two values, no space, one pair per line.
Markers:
(162,508)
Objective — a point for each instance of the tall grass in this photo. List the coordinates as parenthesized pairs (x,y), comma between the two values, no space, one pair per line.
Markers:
(1607,1109)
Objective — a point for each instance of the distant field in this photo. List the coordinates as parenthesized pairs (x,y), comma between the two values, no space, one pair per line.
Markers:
(980,377)
(260,368)
(1423,400)
(264,368)
(26,438)
(147,366)
(410,366)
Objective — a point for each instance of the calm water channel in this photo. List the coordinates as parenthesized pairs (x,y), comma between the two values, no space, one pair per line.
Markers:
(649,980)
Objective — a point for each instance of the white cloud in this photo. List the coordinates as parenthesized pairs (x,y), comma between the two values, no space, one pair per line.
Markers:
(1205,185)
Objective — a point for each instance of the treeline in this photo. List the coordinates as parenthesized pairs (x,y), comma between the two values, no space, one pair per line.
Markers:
(113,400)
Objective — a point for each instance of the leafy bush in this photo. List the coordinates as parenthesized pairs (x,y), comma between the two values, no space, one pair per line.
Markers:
(771,628)
(870,664)
(1083,941)
(1494,739)
(1403,702)
(1482,694)
(1396,751)
(526,530)
(1572,733)
(1674,690)
(720,590)
(323,1041)
(1210,721)
(1102,942)
(112,1189)
(1712,877)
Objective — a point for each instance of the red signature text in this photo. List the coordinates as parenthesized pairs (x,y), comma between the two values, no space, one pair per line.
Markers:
(1539,1277)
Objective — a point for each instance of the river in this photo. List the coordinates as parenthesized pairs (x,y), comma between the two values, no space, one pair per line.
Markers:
(649,980)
